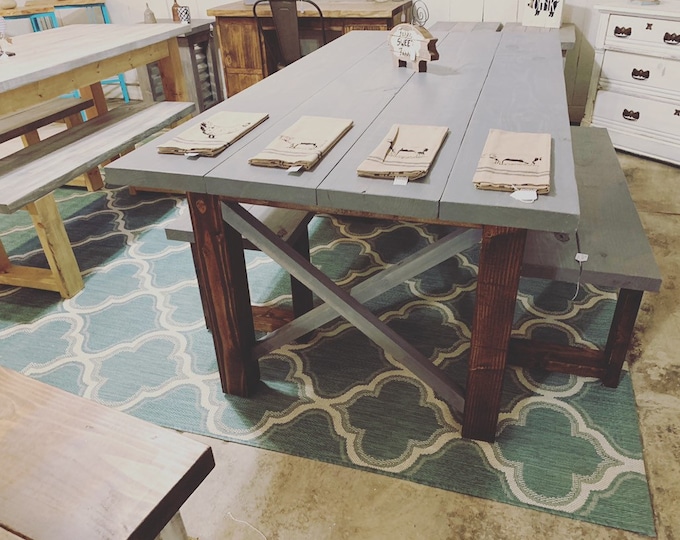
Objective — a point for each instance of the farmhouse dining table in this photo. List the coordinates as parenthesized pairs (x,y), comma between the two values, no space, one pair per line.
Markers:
(58,61)
(482,80)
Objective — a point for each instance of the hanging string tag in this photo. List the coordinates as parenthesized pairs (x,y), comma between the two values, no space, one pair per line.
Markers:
(400,180)
(192,155)
(294,169)
(581,257)
(525,195)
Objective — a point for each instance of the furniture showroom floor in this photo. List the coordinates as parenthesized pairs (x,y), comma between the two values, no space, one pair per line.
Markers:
(288,497)
(255,494)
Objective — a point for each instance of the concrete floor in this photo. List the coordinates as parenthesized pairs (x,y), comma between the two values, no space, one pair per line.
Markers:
(257,494)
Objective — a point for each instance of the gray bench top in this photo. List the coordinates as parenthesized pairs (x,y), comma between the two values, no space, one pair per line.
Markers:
(609,230)
(40,168)
(21,122)
(283,221)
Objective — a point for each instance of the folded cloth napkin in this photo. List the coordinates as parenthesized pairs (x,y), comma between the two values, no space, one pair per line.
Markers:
(511,161)
(303,143)
(214,134)
(406,151)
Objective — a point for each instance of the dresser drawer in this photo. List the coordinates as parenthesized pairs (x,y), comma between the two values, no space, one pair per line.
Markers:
(637,113)
(644,72)
(628,32)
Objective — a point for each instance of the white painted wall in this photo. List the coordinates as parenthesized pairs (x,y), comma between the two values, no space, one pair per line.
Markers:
(579,12)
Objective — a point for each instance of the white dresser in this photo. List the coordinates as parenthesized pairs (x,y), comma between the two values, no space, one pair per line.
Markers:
(635,87)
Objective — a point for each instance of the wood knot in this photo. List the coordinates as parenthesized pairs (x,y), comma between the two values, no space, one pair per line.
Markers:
(201,207)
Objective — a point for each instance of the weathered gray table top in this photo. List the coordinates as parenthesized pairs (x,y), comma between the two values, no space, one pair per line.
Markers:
(482,80)
(40,55)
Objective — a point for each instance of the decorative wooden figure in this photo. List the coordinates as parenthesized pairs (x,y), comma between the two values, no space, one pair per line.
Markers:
(412,45)
(543,13)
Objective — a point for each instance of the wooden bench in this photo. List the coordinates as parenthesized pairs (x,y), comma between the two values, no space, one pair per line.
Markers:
(73,469)
(26,122)
(291,226)
(619,256)
(30,176)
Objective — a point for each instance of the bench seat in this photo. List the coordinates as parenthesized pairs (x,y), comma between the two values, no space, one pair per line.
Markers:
(291,227)
(619,256)
(75,469)
(30,176)
(26,121)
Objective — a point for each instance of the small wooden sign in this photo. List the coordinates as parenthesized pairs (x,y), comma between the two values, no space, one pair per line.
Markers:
(412,46)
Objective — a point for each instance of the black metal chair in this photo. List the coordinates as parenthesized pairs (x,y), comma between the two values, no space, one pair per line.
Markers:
(286,48)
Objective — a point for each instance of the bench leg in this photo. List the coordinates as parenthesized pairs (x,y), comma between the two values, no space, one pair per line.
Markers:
(4,260)
(92,179)
(620,335)
(54,240)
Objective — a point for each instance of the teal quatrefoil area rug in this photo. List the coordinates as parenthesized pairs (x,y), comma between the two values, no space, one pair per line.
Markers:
(135,340)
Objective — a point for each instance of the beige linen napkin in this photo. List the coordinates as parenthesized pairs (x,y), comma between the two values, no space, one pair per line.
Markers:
(214,134)
(406,151)
(511,161)
(303,143)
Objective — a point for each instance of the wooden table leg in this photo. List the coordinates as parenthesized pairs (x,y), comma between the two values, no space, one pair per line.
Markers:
(172,74)
(500,263)
(221,269)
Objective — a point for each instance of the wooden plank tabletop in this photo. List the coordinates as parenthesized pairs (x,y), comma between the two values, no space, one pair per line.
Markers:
(72,468)
(331,9)
(524,92)
(40,55)
(482,80)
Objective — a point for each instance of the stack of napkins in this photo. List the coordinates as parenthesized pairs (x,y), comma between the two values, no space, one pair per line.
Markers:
(407,152)
(214,134)
(513,161)
(303,143)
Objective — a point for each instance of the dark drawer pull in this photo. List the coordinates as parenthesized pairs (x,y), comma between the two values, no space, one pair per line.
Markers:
(640,74)
(671,39)
(631,115)
(620,31)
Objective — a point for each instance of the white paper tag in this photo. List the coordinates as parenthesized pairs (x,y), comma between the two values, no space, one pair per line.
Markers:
(294,169)
(192,155)
(581,257)
(400,180)
(525,195)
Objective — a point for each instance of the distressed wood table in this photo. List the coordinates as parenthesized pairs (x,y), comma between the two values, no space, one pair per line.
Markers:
(52,63)
(78,56)
(482,80)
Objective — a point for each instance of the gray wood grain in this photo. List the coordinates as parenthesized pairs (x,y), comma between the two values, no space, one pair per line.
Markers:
(26,120)
(276,95)
(524,92)
(40,168)
(483,79)
(444,96)
(609,231)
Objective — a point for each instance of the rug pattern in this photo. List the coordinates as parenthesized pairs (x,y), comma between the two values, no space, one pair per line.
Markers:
(134,339)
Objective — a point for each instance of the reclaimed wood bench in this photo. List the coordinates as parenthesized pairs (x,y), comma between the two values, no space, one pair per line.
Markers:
(25,123)
(30,176)
(72,468)
(619,256)
(289,225)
